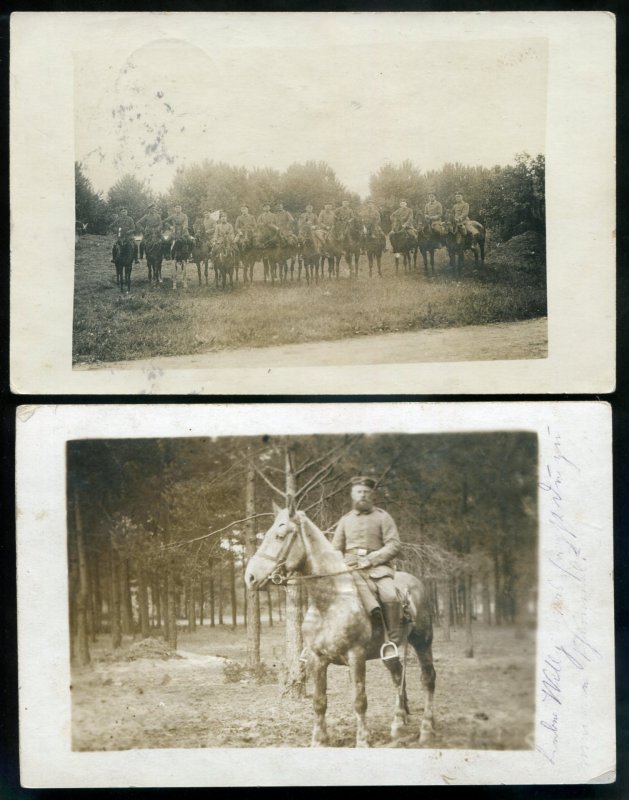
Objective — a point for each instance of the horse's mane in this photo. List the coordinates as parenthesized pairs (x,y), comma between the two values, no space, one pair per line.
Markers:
(332,558)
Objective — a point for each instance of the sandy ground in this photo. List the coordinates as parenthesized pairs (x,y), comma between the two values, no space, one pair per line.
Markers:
(498,341)
(486,702)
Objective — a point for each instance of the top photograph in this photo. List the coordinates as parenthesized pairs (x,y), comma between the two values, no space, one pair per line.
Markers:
(369,203)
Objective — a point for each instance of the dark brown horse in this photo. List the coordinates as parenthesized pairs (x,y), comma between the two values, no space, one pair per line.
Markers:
(337,629)
(123,252)
(201,255)
(373,243)
(154,251)
(462,237)
(404,245)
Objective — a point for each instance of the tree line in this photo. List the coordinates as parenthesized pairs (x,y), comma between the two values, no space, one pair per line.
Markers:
(159,530)
(508,199)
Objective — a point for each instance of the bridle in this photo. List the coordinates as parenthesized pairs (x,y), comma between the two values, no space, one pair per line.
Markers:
(278,576)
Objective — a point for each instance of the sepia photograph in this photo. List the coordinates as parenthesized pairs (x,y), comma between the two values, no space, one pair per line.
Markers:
(253,193)
(232,200)
(222,583)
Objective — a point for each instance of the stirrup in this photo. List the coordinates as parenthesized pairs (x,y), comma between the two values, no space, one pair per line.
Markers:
(385,655)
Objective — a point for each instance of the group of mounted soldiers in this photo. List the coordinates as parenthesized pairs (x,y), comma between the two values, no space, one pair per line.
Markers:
(216,232)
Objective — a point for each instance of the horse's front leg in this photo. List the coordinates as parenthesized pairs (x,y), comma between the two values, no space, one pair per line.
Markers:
(320,700)
(357,667)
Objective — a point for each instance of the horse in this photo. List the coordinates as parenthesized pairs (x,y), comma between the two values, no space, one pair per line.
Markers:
(123,253)
(247,254)
(310,248)
(460,239)
(286,255)
(224,256)
(179,252)
(336,628)
(373,243)
(201,255)
(404,243)
(154,246)
(430,237)
(347,235)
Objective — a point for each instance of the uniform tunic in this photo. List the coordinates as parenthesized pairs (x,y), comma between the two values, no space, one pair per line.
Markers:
(267,218)
(376,533)
(284,221)
(179,221)
(371,216)
(246,222)
(151,224)
(401,217)
(326,218)
(461,211)
(209,225)
(307,220)
(126,224)
(198,227)
(433,211)
(344,214)
(224,230)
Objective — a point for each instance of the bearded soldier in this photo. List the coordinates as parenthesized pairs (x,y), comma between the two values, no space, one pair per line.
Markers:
(368,538)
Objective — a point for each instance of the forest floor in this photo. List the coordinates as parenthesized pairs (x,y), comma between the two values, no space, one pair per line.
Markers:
(143,696)
(155,321)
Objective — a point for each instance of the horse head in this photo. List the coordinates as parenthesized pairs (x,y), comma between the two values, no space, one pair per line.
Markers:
(282,550)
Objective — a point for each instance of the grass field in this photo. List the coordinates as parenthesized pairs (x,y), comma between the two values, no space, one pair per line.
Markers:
(484,703)
(157,321)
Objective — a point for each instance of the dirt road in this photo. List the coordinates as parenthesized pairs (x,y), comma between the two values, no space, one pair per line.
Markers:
(495,342)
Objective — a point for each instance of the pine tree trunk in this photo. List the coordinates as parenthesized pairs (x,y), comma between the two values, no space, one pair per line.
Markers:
(446,616)
(190,603)
(143,604)
(212,599)
(497,590)
(232,588)
(114,609)
(98,596)
(270,604)
(171,610)
(469,641)
(252,597)
(201,600)
(83,593)
(220,592)
(125,598)
(486,601)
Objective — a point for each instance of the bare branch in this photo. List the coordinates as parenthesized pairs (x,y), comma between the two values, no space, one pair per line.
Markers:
(218,530)
(320,459)
(328,497)
(268,482)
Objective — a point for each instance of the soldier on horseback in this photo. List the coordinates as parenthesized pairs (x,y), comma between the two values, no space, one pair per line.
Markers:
(327,217)
(433,212)
(368,538)
(402,217)
(307,220)
(461,211)
(245,222)
(124,227)
(345,213)
(224,231)
(371,219)
(179,223)
(285,222)
(151,223)
(267,217)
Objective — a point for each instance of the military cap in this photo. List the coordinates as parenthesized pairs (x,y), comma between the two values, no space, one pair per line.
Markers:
(208,210)
(458,191)
(150,206)
(122,208)
(363,480)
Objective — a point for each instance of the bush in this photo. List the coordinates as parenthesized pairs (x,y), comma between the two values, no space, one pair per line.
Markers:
(233,672)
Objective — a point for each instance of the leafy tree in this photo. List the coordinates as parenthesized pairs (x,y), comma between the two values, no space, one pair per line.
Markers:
(130,192)
(89,206)
(313,182)
(514,200)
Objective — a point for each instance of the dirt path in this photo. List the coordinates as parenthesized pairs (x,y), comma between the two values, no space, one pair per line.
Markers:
(495,342)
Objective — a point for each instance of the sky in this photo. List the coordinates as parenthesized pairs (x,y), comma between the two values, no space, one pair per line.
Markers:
(171,103)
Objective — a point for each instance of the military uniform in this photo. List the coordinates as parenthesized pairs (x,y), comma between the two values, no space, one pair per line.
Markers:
(344,214)
(223,231)
(402,218)
(372,535)
(198,228)
(326,218)
(284,221)
(246,223)
(433,211)
(267,218)
(371,218)
(307,220)
(179,222)
(151,224)
(126,226)
(461,211)
(209,224)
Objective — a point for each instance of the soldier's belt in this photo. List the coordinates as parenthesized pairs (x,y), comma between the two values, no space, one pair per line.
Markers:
(360,551)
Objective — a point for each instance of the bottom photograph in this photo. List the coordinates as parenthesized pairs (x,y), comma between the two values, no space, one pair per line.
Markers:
(334,590)
(273,594)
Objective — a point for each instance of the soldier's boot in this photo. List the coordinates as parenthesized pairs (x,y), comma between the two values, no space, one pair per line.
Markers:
(392,614)
(135,253)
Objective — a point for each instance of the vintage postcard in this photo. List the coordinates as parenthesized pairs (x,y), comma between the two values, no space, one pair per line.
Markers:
(269,203)
(254,595)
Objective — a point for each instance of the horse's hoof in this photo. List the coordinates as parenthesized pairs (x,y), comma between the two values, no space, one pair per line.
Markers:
(426,734)
(362,743)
